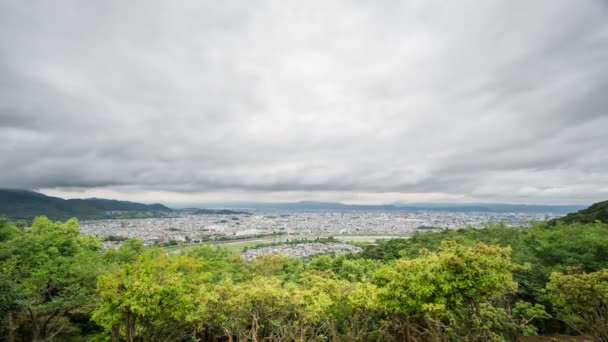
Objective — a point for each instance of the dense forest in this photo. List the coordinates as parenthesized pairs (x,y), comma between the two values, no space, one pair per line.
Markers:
(491,284)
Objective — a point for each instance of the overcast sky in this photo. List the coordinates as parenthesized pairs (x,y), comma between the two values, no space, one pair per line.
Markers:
(353,101)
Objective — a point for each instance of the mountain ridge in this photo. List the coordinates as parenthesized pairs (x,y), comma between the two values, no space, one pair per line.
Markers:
(26,204)
(596,212)
(458,207)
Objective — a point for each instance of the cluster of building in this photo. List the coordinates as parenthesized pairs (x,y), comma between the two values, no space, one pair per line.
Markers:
(302,250)
(195,228)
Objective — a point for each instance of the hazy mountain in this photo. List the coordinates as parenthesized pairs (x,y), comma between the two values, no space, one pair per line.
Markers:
(197,211)
(495,207)
(454,207)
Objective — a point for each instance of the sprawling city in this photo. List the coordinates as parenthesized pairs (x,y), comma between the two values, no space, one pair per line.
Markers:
(197,228)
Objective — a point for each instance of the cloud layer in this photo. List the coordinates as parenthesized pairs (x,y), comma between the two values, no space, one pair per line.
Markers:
(346,100)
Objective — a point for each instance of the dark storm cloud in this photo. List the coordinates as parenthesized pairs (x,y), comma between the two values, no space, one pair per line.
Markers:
(347,100)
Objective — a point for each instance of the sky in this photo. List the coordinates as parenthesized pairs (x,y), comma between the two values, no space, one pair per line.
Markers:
(351,101)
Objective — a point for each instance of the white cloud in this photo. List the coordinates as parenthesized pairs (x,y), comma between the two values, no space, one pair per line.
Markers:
(360,102)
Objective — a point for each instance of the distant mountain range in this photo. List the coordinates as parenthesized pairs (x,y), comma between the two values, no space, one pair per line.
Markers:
(196,211)
(25,205)
(458,207)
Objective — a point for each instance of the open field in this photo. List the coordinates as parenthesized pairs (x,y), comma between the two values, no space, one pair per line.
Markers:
(240,244)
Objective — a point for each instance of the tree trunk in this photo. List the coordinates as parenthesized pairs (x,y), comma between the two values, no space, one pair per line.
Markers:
(36,326)
(35,335)
(10,328)
(115,337)
(254,328)
(332,330)
(407,333)
(229,334)
(129,325)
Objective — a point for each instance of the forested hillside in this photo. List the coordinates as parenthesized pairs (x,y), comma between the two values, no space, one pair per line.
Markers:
(25,205)
(492,284)
(596,212)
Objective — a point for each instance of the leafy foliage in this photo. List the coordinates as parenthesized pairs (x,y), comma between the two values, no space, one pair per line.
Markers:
(491,284)
(447,290)
(581,300)
(50,271)
(154,294)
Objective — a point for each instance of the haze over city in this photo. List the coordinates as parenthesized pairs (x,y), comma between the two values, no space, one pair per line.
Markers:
(378,102)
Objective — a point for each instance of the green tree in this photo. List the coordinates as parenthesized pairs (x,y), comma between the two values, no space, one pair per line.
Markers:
(276,265)
(51,271)
(555,248)
(8,291)
(153,297)
(251,310)
(220,263)
(348,311)
(445,291)
(128,252)
(581,300)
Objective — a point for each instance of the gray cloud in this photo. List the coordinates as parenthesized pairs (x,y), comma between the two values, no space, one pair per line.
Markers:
(347,100)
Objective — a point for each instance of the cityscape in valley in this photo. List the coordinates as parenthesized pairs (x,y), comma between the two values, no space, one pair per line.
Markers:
(197,228)
(276,224)
(281,226)
(115,220)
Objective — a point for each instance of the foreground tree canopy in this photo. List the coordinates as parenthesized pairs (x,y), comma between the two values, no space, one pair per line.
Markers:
(491,284)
